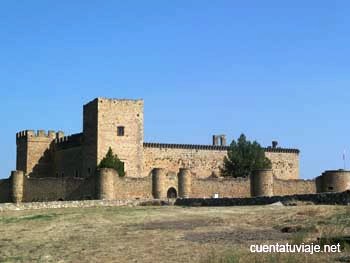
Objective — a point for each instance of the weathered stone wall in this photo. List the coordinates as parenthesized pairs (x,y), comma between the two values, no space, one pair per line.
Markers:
(89,148)
(292,187)
(53,189)
(224,187)
(68,162)
(342,198)
(261,183)
(112,187)
(201,162)
(126,187)
(73,204)
(320,199)
(334,181)
(129,147)
(33,152)
(285,163)
(5,190)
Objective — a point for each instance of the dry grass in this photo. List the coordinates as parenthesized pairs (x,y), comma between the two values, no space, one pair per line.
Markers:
(165,234)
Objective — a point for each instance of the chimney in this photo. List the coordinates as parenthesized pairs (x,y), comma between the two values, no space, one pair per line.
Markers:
(215,140)
(274,144)
(223,140)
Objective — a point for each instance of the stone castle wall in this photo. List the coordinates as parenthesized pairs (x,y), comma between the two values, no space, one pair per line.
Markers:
(46,189)
(54,189)
(203,160)
(293,186)
(285,162)
(68,157)
(5,187)
(224,187)
(140,188)
(107,185)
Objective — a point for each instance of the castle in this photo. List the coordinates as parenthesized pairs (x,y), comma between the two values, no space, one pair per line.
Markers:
(52,166)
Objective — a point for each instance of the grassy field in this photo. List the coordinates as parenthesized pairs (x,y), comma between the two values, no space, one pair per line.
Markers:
(167,234)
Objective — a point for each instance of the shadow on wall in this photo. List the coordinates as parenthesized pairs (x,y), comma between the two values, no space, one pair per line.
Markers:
(44,165)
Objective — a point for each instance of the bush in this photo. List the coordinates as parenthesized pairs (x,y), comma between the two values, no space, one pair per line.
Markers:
(243,157)
(111,160)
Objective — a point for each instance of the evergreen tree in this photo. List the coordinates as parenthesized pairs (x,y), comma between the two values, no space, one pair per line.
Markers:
(111,160)
(243,157)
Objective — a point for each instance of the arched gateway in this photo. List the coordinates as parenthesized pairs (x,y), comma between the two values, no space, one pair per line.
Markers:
(172,193)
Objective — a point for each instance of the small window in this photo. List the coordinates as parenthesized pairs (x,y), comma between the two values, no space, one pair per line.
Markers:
(330,188)
(89,170)
(120,131)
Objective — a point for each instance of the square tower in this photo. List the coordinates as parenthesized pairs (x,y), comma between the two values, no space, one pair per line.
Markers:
(117,124)
(34,156)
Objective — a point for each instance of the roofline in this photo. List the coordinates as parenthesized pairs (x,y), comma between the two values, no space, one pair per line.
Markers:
(211,147)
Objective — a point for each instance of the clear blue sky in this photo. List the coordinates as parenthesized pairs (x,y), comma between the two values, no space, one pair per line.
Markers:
(271,69)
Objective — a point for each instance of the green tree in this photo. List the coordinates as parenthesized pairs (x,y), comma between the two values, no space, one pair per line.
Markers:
(243,157)
(111,160)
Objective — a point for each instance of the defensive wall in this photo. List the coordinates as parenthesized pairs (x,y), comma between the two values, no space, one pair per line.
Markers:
(162,184)
(203,160)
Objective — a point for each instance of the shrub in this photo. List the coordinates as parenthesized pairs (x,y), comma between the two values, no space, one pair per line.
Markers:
(111,160)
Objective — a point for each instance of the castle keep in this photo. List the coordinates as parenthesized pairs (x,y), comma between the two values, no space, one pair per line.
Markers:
(52,166)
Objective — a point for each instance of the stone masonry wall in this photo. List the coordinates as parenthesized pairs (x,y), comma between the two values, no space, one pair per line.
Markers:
(129,147)
(53,189)
(89,147)
(4,190)
(203,160)
(285,164)
(68,162)
(125,188)
(33,152)
(224,187)
(342,198)
(71,204)
(292,187)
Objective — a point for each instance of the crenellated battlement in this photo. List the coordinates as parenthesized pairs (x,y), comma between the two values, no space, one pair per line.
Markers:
(211,147)
(38,134)
(65,142)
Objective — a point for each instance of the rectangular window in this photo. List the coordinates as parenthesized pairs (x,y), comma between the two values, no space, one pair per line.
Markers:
(120,130)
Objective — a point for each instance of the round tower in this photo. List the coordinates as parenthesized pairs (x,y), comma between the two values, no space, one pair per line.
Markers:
(158,177)
(335,181)
(17,186)
(106,183)
(184,180)
(261,183)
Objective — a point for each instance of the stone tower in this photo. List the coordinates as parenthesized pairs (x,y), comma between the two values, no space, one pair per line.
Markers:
(117,124)
(33,152)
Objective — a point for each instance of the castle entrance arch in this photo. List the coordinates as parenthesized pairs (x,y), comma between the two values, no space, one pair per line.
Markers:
(172,193)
